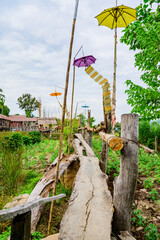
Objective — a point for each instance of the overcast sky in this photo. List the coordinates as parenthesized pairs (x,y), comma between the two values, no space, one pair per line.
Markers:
(34,45)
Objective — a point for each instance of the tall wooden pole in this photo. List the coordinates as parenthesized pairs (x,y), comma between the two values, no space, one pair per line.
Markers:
(71,126)
(63,112)
(114,77)
(71,110)
(105,147)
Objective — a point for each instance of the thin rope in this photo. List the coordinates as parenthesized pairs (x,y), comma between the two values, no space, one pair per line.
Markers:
(78,51)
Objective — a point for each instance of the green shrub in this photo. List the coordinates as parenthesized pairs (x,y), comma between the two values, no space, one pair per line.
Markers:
(147,133)
(36,236)
(137,218)
(151,232)
(6,234)
(148,183)
(27,140)
(154,194)
(11,164)
(11,170)
(35,136)
(12,143)
(55,136)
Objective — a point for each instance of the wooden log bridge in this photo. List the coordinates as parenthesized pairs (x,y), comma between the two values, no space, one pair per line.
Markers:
(21,223)
(90,210)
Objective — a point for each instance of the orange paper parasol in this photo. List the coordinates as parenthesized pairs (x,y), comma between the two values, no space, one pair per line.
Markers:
(56,94)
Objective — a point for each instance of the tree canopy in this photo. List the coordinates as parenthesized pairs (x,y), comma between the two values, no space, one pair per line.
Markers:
(143,35)
(3,108)
(28,103)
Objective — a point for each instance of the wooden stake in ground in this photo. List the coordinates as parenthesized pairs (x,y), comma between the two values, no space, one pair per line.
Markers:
(125,183)
(88,134)
(156,144)
(105,148)
(63,112)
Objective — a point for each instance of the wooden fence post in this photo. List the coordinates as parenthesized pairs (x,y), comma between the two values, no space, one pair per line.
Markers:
(156,144)
(88,134)
(80,125)
(21,215)
(21,227)
(105,147)
(125,183)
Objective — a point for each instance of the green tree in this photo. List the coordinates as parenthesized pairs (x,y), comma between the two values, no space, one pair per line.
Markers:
(3,108)
(83,119)
(28,103)
(6,110)
(2,100)
(143,35)
(92,120)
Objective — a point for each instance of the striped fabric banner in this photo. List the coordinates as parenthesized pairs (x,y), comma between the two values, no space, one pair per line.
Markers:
(105,86)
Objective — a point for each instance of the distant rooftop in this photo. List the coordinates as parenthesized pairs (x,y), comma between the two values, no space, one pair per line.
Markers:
(21,118)
(4,117)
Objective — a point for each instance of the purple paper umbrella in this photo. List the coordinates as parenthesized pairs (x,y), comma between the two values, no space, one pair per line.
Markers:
(84,61)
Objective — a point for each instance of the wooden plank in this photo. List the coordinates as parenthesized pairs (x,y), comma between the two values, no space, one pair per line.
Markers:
(90,210)
(7,214)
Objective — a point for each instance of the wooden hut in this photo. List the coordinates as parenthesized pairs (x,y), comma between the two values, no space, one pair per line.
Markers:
(4,123)
(22,123)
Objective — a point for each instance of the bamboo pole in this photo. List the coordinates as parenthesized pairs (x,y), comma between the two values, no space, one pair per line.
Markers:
(105,148)
(71,126)
(114,77)
(69,142)
(63,113)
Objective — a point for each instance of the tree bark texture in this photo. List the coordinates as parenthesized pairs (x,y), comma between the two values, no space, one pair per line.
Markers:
(125,183)
(116,143)
(45,185)
(90,210)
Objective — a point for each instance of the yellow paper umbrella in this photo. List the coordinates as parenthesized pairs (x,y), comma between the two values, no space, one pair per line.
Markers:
(119,16)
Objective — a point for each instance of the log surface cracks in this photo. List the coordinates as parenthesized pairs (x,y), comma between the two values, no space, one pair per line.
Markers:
(90,210)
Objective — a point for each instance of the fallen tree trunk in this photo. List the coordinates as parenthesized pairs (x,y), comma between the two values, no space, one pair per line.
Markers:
(45,185)
(116,143)
(90,210)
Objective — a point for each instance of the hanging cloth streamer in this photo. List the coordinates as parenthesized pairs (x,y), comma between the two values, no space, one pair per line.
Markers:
(105,87)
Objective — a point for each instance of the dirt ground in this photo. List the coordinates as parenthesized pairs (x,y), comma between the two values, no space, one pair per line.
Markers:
(150,209)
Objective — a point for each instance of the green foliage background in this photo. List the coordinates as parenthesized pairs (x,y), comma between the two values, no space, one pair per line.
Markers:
(143,35)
